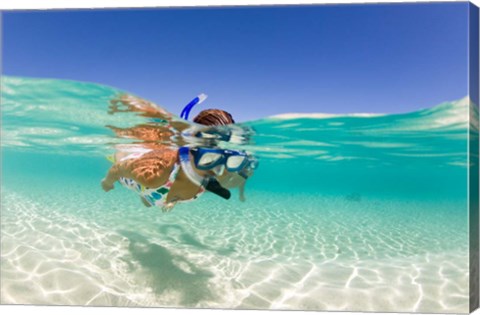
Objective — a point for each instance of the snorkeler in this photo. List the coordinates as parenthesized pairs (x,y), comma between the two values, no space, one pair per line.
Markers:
(229,179)
(165,175)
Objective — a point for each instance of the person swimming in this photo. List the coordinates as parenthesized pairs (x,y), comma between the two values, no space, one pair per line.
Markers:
(164,175)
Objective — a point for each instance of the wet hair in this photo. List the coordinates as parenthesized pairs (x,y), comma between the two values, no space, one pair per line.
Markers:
(214,117)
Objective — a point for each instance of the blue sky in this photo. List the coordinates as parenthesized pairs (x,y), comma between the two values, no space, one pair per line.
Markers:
(257,61)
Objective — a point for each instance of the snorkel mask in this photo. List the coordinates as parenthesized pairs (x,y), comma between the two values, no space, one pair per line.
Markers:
(207,159)
(210,159)
(208,182)
(252,164)
(233,161)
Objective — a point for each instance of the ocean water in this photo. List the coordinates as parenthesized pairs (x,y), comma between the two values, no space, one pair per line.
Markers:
(352,212)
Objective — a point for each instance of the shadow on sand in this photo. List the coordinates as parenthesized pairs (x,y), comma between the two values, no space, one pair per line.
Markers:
(165,275)
(177,233)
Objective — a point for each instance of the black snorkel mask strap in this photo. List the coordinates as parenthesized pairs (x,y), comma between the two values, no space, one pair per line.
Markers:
(209,183)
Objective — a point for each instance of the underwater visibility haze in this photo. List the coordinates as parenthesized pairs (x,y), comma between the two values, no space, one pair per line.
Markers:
(345,212)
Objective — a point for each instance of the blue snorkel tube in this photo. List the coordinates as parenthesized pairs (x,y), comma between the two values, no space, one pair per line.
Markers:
(197,100)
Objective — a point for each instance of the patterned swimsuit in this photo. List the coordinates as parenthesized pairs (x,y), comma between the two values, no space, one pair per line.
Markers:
(154,196)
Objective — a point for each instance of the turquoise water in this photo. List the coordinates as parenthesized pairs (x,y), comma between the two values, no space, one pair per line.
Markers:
(353,212)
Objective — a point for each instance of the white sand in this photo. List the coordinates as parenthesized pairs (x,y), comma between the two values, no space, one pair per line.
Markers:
(236,257)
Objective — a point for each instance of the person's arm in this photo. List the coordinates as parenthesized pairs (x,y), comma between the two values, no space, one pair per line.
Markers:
(241,190)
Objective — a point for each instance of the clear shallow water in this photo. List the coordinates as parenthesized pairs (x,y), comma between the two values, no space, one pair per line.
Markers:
(344,213)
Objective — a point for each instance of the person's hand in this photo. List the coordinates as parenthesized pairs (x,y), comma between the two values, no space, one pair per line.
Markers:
(107,186)
(168,207)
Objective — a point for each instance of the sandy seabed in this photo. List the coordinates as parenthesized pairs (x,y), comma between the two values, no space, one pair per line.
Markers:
(326,254)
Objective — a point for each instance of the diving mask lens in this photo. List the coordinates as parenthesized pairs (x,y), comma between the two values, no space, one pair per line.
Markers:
(209,159)
(235,162)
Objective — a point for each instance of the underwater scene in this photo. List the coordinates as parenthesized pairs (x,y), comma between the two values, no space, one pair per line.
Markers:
(360,212)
